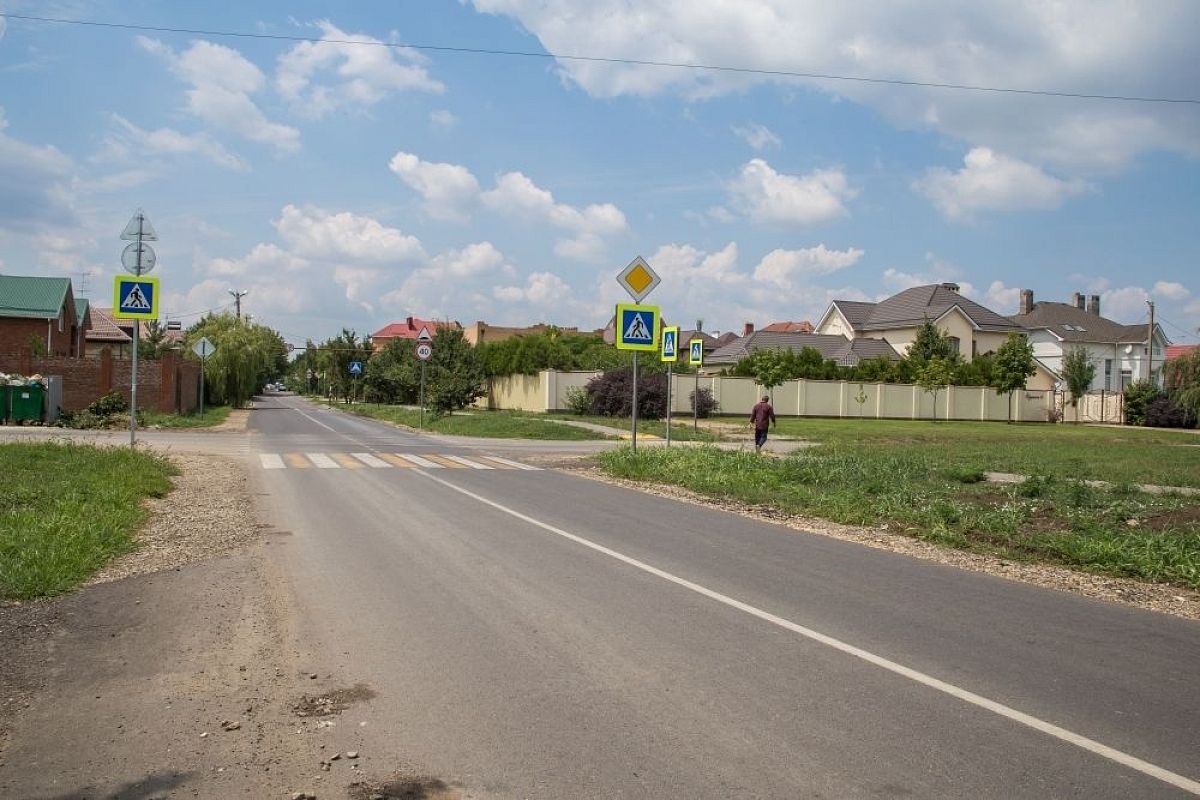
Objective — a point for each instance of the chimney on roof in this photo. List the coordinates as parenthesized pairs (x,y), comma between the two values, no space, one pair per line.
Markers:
(1027,301)
(1094,304)
(747,329)
(1077,300)
(410,322)
(951,286)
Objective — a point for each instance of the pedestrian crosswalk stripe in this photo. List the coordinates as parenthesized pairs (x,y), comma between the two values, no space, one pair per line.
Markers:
(378,460)
(443,461)
(322,461)
(466,462)
(418,461)
(512,464)
(370,460)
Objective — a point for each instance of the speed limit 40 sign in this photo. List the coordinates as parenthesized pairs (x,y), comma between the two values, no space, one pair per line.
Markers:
(424,351)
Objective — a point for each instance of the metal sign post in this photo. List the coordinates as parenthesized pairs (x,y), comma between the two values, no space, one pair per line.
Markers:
(424,351)
(139,259)
(669,354)
(637,331)
(696,359)
(203,348)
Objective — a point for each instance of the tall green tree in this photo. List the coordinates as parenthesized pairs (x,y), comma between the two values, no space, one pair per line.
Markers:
(932,342)
(1013,366)
(246,356)
(933,376)
(1078,371)
(393,375)
(770,369)
(454,374)
(1181,377)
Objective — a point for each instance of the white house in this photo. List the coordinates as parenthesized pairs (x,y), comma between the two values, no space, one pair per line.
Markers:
(1118,351)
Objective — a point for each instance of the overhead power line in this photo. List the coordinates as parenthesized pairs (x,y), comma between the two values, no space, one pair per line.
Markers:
(774,73)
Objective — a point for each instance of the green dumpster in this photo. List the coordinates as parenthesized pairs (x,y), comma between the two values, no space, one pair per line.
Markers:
(4,403)
(25,403)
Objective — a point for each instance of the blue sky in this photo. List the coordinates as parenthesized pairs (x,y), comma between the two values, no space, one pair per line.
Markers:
(349,184)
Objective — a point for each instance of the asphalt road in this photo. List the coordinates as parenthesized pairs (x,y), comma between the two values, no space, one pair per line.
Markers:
(537,634)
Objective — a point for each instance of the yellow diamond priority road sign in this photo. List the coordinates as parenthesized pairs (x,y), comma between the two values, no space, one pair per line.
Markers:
(638,279)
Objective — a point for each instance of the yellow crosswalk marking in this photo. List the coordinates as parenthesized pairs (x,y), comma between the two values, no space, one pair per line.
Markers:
(445,462)
(348,461)
(297,460)
(397,461)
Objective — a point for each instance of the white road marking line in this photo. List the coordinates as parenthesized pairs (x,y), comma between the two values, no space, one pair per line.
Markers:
(420,462)
(1048,728)
(371,461)
(513,464)
(271,461)
(323,461)
(302,413)
(466,462)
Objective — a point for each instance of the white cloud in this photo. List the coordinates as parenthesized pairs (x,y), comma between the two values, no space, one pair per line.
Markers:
(994,182)
(757,136)
(222,82)
(455,281)
(544,290)
(366,71)
(1170,290)
(314,233)
(1127,304)
(767,196)
(264,259)
(1002,299)
(782,267)
(449,190)
(1073,45)
(171,142)
(516,195)
(442,119)
(36,184)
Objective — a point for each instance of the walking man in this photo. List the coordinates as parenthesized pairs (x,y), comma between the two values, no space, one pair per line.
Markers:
(761,417)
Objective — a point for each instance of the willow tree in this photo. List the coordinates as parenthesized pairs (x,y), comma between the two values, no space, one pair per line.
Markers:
(245,357)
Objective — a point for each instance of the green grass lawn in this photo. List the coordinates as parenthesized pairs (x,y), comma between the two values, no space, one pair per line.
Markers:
(475,422)
(66,509)
(213,415)
(1120,455)
(923,479)
(679,431)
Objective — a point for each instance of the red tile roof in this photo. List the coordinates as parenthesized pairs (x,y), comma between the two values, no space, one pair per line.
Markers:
(1176,350)
(411,327)
(790,327)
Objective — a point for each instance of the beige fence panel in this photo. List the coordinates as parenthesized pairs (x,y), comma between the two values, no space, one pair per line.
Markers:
(559,385)
(1106,407)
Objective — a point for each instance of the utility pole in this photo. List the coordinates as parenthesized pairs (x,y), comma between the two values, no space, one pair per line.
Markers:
(1150,345)
(237,300)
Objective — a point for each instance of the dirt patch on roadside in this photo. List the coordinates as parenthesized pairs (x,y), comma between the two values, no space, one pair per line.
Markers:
(406,788)
(1172,600)
(236,421)
(332,702)
(1182,518)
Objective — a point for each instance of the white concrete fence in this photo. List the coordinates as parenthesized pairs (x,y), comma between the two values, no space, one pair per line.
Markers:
(547,391)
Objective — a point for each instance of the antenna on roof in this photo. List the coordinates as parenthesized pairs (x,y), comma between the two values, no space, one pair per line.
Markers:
(83,283)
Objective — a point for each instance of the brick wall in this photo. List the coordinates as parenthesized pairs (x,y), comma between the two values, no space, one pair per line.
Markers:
(166,385)
(15,335)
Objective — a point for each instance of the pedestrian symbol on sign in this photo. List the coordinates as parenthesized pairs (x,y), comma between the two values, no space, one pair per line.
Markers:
(637,330)
(356,368)
(135,300)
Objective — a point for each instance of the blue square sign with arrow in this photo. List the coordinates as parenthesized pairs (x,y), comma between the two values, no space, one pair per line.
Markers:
(637,327)
(356,368)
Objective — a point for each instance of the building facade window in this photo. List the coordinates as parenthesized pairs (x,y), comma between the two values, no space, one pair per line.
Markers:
(955,343)
(1126,378)
(1108,374)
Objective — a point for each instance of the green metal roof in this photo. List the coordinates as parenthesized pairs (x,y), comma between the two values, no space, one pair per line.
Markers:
(32,298)
(81,309)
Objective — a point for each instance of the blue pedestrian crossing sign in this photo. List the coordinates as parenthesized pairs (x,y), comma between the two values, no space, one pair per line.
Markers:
(135,298)
(696,352)
(670,343)
(637,327)
(356,368)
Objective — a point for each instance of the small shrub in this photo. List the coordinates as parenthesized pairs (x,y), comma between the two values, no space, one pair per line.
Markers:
(109,404)
(1138,396)
(578,401)
(611,394)
(706,406)
(1161,412)
(964,474)
(1035,486)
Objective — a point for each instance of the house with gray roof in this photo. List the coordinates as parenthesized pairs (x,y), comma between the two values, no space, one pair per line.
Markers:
(846,352)
(972,328)
(1119,352)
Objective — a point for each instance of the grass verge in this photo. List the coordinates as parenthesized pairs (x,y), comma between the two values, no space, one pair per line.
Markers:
(656,427)
(475,422)
(66,509)
(1116,531)
(1119,455)
(212,416)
